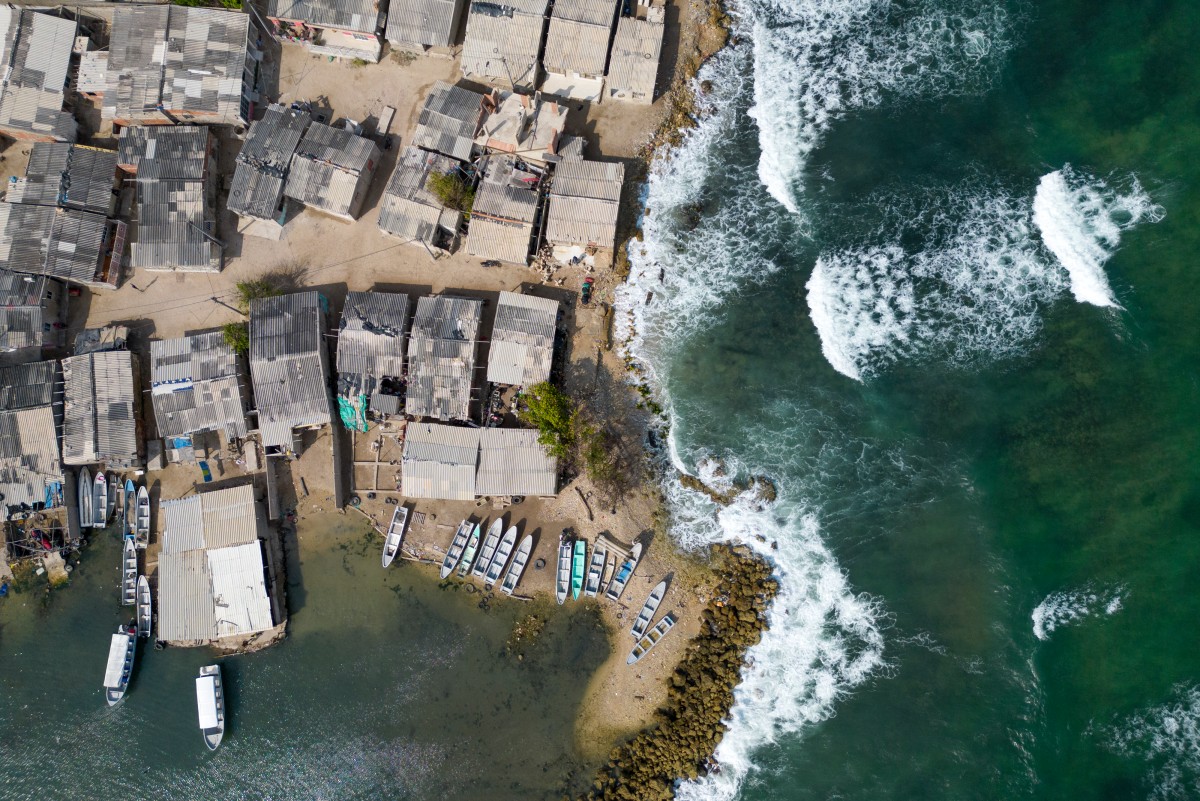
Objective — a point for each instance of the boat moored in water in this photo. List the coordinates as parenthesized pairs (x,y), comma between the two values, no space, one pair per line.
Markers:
(100,501)
(651,639)
(145,608)
(395,534)
(210,705)
(129,512)
(456,549)
(121,652)
(518,565)
(562,579)
(489,548)
(617,585)
(87,514)
(142,532)
(114,494)
(648,609)
(129,574)
(500,560)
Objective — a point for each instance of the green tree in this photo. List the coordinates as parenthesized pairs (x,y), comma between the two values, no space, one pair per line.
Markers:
(237,336)
(553,414)
(452,190)
(253,290)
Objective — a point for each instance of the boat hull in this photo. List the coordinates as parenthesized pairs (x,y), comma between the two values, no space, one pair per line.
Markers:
(210,706)
(517,568)
(500,560)
(455,553)
(395,535)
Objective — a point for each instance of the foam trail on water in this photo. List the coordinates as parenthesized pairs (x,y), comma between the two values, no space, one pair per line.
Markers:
(1081,219)
(1167,739)
(1071,607)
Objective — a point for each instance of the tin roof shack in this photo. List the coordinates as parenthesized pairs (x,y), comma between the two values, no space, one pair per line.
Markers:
(256,193)
(512,462)
(411,211)
(102,404)
(170,64)
(35,63)
(637,48)
(522,346)
(68,176)
(521,125)
(441,357)
(196,387)
(289,366)
(585,198)
(461,464)
(506,205)
(503,40)
(449,121)
(33,313)
(175,171)
(424,23)
(577,48)
(335,28)
(332,170)
(370,356)
(31,469)
(72,245)
(217,575)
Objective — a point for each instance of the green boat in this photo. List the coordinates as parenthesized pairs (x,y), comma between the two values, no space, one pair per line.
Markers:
(469,554)
(577,566)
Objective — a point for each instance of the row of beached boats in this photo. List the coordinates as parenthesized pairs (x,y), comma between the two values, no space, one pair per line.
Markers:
(101,498)
(601,575)
(500,559)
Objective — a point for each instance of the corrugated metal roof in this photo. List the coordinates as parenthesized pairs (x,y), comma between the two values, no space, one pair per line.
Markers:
(36,59)
(214,519)
(522,345)
(503,40)
(449,120)
(264,161)
(93,71)
(173,218)
(100,422)
(64,243)
(633,67)
(408,209)
(512,462)
(62,174)
(371,334)
(195,385)
(253,193)
(331,170)
(363,16)
(157,151)
(503,241)
(439,461)
(502,217)
(240,602)
(571,148)
(30,432)
(429,23)
(185,607)
(579,35)
(22,323)
(584,203)
(441,357)
(288,365)
(23,386)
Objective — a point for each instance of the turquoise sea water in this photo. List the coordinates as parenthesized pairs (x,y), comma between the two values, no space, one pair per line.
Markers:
(931,267)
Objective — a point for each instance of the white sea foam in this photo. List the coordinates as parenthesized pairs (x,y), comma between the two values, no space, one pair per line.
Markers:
(1081,218)
(1071,607)
(1167,739)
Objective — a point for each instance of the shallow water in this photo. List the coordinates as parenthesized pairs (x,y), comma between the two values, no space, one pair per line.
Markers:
(386,686)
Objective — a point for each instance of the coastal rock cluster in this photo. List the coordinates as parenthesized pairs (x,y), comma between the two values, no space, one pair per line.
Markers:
(681,743)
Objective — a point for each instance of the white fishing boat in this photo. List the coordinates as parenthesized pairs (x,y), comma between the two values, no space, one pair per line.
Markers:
(595,570)
(457,545)
(651,639)
(395,535)
(469,552)
(610,567)
(99,501)
(500,560)
(210,705)
(518,565)
(121,653)
(129,574)
(648,609)
(145,608)
(489,548)
(617,586)
(87,517)
(562,580)
(114,493)
(142,532)
(129,512)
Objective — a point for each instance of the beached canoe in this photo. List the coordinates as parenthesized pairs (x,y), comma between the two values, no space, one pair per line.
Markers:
(651,639)
(210,705)
(395,534)
(648,609)
(610,567)
(518,565)
(622,578)
(145,608)
(87,517)
(456,548)
(129,574)
(99,501)
(595,570)
(578,563)
(121,653)
(142,534)
(500,560)
(562,580)
(469,552)
(114,494)
(489,548)
(129,514)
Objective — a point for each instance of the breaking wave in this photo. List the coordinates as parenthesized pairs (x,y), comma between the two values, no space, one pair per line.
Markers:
(1081,219)
(1072,607)
(1167,739)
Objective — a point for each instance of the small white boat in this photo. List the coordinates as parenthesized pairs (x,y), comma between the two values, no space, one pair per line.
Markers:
(121,653)
(210,705)
(518,565)
(648,609)
(595,569)
(129,512)
(469,552)
(145,608)
(489,548)
(610,567)
(87,517)
(114,493)
(142,533)
(395,534)
(457,545)
(651,639)
(129,574)
(562,581)
(617,586)
(500,560)
(100,502)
